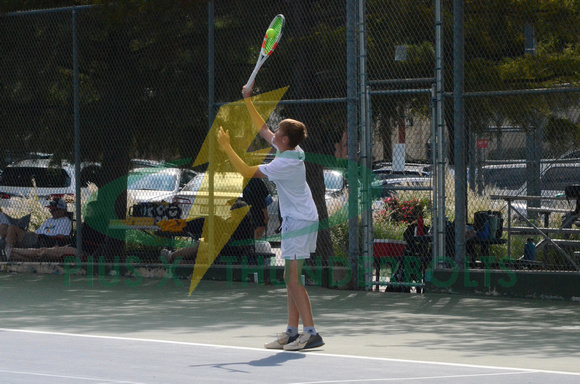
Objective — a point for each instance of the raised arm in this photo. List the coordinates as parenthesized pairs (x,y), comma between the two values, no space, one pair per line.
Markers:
(244,169)
(259,123)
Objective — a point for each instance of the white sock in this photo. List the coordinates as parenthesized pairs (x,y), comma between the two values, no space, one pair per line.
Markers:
(292,331)
(310,330)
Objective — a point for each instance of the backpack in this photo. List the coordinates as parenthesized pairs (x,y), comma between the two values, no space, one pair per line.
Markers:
(490,221)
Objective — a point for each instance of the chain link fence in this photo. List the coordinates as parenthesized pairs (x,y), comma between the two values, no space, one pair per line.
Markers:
(522,112)
(142,118)
(124,98)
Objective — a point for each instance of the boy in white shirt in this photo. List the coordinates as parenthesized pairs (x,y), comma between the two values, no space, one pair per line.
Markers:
(299,214)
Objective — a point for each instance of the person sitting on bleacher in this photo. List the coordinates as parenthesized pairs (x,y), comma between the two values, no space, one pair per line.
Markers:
(92,239)
(55,230)
(6,221)
(238,238)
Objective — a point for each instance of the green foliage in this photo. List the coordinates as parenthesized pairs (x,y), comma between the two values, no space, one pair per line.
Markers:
(562,132)
(382,229)
(388,230)
(547,67)
(339,232)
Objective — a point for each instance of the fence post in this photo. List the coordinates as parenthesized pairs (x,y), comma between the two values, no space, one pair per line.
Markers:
(439,145)
(351,86)
(78,202)
(459,131)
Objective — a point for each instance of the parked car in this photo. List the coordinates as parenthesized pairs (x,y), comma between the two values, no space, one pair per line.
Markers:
(227,186)
(336,194)
(194,197)
(26,178)
(154,184)
(144,163)
(386,181)
(511,179)
(504,178)
(410,168)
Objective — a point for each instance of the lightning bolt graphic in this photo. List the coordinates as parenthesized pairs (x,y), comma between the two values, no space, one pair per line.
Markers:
(235,118)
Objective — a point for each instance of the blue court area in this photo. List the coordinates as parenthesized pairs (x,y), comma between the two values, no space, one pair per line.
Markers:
(63,358)
(117,331)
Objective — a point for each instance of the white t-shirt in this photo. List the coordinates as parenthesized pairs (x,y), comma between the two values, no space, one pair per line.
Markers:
(53,227)
(288,172)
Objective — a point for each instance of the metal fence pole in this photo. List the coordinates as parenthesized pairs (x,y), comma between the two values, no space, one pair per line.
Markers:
(77,134)
(366,156)
(370,238)
(351,86)
(439,153)
(211,62)
(459,131)
(211,116)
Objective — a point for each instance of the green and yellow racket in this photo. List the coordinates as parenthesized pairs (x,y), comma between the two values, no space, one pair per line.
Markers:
(269,44)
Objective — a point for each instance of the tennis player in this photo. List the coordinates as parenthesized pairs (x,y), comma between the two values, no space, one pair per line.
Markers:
(299,214)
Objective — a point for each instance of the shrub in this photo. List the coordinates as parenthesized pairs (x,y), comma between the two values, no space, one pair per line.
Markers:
(403,211)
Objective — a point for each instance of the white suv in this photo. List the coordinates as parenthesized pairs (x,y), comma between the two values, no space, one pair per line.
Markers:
(18,179)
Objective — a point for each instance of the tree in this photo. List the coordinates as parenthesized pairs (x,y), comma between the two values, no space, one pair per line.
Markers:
(407,26)
(496,60)
(140,83)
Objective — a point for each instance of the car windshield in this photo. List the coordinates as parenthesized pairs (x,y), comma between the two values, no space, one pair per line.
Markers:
(152,182)
(43,177)
(194,184)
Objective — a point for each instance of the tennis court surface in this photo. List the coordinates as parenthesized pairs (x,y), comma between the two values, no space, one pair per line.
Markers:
(151,331)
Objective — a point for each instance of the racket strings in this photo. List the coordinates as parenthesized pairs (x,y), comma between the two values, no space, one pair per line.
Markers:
(270,43)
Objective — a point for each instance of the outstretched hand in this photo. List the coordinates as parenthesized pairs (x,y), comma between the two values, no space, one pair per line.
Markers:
(223,138)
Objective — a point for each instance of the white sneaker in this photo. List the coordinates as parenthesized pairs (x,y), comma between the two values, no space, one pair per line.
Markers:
(305,341)
(167,254)
(282,339)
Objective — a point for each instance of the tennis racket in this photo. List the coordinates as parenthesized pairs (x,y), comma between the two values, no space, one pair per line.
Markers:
(268,45)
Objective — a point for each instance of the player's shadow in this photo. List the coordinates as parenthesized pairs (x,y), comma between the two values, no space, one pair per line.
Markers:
(270,361)
(277,359)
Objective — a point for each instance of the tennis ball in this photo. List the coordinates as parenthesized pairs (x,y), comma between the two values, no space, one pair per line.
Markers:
(270,33)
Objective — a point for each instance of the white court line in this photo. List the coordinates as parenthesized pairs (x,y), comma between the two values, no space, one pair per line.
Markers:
(270,351)
(99,380)
(398,379)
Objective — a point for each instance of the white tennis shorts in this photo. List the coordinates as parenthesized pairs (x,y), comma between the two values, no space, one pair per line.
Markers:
(298,238)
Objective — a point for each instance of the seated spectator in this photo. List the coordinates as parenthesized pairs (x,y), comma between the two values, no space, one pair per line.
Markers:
(226,231)
(91,241)
(54,231)
(6,221)
(529,250)
(255,194)
(417,244)
(471,240)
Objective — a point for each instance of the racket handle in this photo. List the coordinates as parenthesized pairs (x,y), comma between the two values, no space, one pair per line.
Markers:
(252,78)
(254,73)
